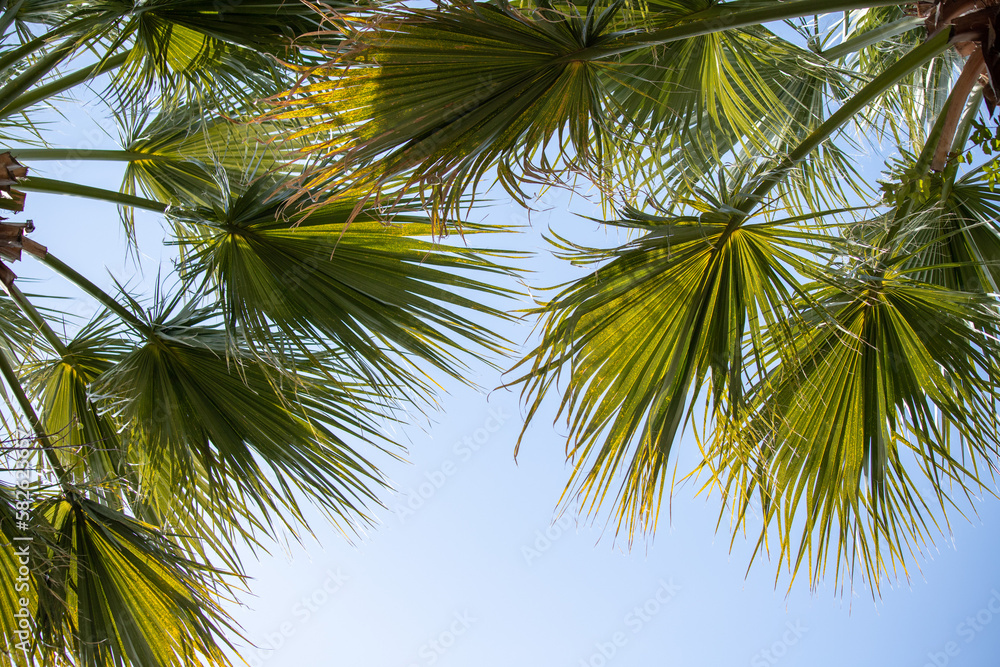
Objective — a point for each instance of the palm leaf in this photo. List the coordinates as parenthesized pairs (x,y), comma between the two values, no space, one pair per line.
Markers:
(370,289)
(17,644)
(443,96)
(176,155)
(640,334)
(905,367)
(195,414)
(179,156)
(129,596)
(89,444)
(225,49)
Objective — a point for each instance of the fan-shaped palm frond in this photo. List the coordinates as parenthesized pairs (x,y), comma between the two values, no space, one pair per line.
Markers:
(371,289)
(226,50)
(119,592)
(444,96)
(640,334)
(89,443)
(175,156)
(17,596)
(190,407)
(170,437)
(906,369)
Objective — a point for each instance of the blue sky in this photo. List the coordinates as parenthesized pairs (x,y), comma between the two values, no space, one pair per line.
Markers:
(469,566)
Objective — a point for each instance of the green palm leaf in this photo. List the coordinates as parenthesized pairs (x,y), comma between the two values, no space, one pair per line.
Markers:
(88,441)
(444,96)
(176,156)
(18,629)
(640,334)
(228,51)
(236,433)
(370,289)
(127,594)
(906,369)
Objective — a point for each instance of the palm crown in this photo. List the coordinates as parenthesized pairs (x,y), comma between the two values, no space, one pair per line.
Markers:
(835,337)
(174,428)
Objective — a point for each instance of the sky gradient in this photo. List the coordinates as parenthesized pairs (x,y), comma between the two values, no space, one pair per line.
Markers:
(470,566)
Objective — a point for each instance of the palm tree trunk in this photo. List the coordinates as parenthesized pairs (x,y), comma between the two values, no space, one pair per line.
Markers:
(974,68)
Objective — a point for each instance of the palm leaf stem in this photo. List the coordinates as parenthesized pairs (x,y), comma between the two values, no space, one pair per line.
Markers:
(29,411)
(870,37)
(36,72)
(719,18)
(9,14)
(29,310)
(884,81)
(21,52)
(93,290)
(51,186)
(64,83)
(39,154)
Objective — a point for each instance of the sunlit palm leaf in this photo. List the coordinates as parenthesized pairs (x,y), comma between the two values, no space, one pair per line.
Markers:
(218,48)
(88,442)
(18,598)
(374,290)
(129,595)
(179,156)
(908,369)
(444,96)
(186,151)
(954,236)
(639,336)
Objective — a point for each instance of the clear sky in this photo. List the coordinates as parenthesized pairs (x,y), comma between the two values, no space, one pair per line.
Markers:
(469,567)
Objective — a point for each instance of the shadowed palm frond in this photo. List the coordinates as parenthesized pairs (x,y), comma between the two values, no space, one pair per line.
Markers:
(442,97)
(195,411)
(179,156)
(175,156)
(226,50)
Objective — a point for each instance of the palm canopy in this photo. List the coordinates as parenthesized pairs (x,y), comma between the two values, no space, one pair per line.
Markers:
(173,429)
(768,273)
(837,339)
